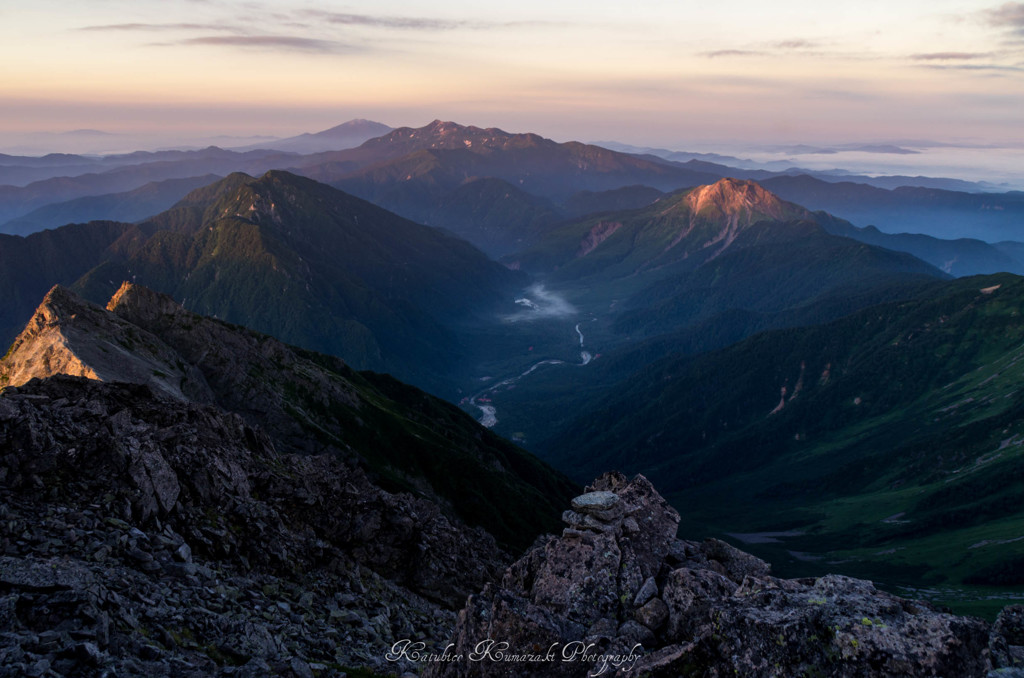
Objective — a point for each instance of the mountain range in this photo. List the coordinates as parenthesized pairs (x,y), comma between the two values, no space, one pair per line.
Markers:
(501,191)
(646,315)
(991,217)
(729,246)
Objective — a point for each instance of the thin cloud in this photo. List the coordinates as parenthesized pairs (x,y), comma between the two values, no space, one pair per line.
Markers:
(404,23)
(283,42)
(732,53)
(777,48)
(157,27)
(950,56)
(1008,17)
(795,44)
(992,69)
(419,23)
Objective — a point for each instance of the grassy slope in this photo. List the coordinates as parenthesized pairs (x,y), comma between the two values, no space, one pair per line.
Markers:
(905,408)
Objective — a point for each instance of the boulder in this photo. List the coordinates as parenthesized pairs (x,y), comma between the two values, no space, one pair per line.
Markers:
(641,602)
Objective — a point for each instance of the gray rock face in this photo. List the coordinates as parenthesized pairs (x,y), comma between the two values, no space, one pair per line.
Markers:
(596,502)
(641,602)
(151,537)
(1007,641)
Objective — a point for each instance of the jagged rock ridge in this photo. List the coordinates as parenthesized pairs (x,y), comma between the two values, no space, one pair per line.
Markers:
(618,594)
(307,402)
(67,336)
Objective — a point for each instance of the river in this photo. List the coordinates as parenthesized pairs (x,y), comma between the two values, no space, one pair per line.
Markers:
(482,400)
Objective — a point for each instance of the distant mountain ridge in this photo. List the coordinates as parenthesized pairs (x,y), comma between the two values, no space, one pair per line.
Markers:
(130,206)
(346,135)
(123,173)
(502,190)
(683,230)
(940,213)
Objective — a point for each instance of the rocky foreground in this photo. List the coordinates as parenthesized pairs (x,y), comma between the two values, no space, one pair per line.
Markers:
(618,594)
(144,536)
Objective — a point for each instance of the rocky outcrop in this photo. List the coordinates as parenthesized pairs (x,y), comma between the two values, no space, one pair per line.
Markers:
(67,335)
(160,462)
(155,537)
(618,594)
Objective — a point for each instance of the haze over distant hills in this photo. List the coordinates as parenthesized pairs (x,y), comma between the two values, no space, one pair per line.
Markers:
(346,135)
(500,190)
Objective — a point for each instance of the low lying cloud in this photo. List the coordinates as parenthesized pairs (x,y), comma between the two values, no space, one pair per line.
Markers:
(539,303)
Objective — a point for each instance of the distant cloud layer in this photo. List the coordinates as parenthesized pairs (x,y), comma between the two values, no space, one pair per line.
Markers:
(306,20)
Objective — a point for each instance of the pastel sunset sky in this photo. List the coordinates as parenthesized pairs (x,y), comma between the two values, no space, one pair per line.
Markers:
(644,72)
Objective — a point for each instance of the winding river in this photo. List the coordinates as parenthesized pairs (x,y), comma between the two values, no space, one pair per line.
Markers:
(482,400)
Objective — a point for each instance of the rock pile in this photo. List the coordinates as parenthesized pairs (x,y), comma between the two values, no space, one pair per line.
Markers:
(146,536)
(618,594)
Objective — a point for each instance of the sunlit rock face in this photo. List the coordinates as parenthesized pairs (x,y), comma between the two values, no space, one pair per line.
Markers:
(68,335)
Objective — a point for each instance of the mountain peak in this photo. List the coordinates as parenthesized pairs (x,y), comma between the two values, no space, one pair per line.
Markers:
(735,196)
(444,127)
(358,126)
(142,301)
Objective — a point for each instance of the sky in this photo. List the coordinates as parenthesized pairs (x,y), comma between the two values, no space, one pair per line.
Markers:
(671,73)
